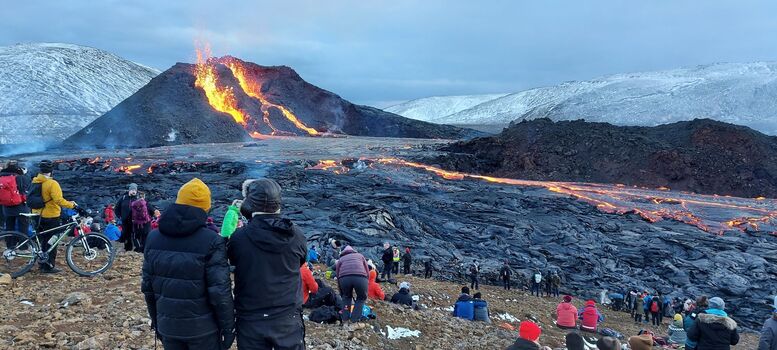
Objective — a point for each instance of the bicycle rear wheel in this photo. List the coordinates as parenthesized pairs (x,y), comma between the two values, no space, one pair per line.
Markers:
(90,254)
(19,253)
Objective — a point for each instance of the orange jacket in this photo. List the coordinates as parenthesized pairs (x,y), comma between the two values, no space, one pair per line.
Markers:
(309,284)
(374,291)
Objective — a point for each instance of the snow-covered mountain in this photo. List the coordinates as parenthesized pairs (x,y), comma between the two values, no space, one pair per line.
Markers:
(435,107)
(738,93)
(48,91)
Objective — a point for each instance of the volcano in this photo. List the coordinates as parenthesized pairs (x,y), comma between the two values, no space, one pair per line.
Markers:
(219,100)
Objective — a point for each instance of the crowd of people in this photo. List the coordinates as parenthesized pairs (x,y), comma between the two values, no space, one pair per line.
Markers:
(189,263)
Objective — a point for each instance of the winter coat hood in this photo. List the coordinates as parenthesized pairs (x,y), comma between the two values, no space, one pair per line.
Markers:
(347,250)
(181,220)
(641,342)
(464,297)
(271,233)
(710,319)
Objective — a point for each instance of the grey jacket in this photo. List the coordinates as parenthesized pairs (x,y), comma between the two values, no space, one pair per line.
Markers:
(769,335)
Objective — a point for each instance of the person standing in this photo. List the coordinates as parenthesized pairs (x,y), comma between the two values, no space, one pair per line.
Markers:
(388,262)
(768,340)
(474,275)
(14,198)
(701,303)
(141,221)
(185,276)
(714,329)
(505,274)
(46,199)
(267,254)
(655,310)
(555,284)
(536,282)
(428,268)
(396,257)
(637,309)
(407,261)
(352,274)
(123,211)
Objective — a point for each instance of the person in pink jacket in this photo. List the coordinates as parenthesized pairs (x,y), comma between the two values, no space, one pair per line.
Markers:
(566,314)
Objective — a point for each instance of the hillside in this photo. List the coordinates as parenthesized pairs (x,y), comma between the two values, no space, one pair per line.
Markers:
(701,156)
(737,93)
(48,91)
(113,315)
(435,107)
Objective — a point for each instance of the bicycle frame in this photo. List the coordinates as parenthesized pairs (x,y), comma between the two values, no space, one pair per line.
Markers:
(64,228)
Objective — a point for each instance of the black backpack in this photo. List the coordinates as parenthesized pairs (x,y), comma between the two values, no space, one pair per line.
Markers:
(325,314)
(35,198)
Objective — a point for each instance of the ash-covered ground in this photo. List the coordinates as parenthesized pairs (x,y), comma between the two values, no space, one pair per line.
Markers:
(366,196)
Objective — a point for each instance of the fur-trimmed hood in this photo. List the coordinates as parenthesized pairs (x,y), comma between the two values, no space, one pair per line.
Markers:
(725,321)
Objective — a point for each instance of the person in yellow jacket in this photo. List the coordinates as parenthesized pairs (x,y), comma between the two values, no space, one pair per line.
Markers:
(51,193)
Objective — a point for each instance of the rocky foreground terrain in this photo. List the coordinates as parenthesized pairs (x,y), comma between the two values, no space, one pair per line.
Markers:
(65,311)
(701,156)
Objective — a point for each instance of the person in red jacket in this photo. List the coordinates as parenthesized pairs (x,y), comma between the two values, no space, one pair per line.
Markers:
(566,314)
(373,290)
(590,316)
(108,214)
(309,285)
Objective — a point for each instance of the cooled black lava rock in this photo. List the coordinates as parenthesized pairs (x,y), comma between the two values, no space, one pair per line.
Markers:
(702,156)
(171,110)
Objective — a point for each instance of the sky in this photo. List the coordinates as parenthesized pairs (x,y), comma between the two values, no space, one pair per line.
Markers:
(383,52)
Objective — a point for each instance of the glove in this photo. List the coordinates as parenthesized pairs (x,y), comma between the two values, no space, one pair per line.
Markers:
(227,338)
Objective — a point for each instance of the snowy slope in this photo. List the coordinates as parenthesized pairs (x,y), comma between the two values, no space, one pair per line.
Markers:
(430,108)
(48,91)
(738,93)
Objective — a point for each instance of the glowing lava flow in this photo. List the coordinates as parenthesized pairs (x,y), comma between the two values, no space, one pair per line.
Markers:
(221,98)
(254,89)
(707,212)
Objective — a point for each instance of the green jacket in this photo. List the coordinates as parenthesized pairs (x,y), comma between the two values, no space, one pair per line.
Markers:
(229,225)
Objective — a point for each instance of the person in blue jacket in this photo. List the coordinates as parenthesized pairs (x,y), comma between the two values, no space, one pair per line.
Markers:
(464,307)
(313,255)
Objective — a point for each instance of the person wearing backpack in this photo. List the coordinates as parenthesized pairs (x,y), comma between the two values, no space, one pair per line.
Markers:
(505,274)
(655,308)
(45,198)
(474,272)
(141,222)
(14,185)
(123,210)
(536,282)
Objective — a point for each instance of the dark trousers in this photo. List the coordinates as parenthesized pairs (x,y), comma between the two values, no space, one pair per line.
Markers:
(428,273)
(210,342)
(637,317)
(281,333)
(474,282)
(396,267)
(406,269)
(535,288)
(127,235)
(350,285)
(506,282)
(554,291)
(139,234)
(386,273)
(656,318)
(16,223)
(44,225)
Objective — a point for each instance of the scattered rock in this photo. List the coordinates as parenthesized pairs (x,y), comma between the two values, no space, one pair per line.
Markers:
(73,299)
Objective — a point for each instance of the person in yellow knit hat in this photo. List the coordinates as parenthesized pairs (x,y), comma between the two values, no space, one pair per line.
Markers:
(46,199)
(186,281)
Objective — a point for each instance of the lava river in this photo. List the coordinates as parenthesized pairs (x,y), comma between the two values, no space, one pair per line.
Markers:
(711,213)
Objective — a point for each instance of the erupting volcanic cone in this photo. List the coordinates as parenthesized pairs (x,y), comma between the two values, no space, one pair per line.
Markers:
(229,100)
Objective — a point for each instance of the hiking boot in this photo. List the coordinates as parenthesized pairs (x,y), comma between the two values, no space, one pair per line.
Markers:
(51,270)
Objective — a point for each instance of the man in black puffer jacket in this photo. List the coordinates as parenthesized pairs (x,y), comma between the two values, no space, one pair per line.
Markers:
(713,329)
(186,276)
(267,254)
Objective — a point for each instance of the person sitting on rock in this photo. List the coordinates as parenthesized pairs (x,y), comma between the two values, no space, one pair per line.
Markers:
(528,337)
(267,254)
(309,284)
(464,308)
(185,276)
(403,296)
(714,329)
(677,335)
(643,341)
(374,291)
(566,314)
(590,317)
(313,255)
(575,341)
(481,308)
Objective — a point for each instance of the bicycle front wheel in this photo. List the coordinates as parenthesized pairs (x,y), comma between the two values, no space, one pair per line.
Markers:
(90,254)
(19,253)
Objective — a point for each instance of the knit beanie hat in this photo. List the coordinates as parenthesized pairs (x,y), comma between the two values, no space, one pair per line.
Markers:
(678,317)
(717,303)
(194,193)
(575,341)
(567,298)
(132,187)
(641,342)
(529,330)
(608,343)
(261,196)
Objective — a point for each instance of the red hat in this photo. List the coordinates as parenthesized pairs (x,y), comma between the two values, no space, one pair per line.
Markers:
(590,303)
(567,298)
(529,330)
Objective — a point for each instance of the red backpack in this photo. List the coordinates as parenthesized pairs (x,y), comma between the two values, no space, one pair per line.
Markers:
(9,192)
(654,306)
(140,212)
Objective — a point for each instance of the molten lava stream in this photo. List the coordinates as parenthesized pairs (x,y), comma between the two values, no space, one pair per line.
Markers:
(254,89)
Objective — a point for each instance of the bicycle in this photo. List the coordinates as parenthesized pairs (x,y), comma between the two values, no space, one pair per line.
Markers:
(20,251)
